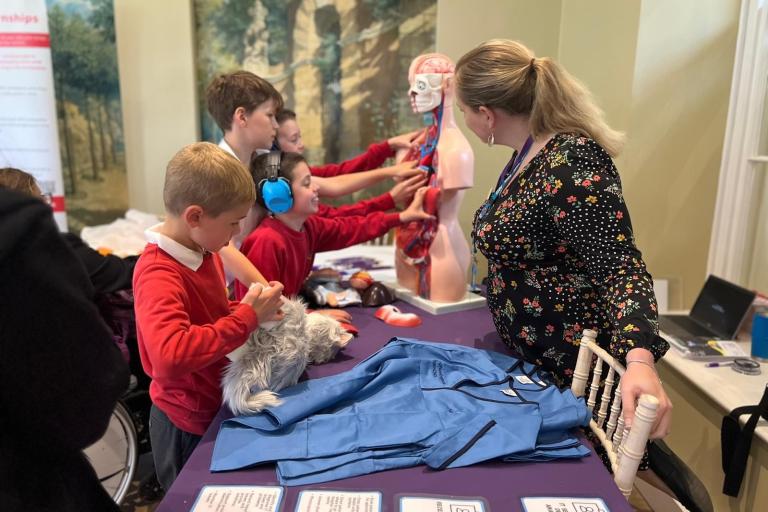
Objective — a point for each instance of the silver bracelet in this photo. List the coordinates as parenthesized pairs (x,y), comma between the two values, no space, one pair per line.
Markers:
(646,363)
(649,365)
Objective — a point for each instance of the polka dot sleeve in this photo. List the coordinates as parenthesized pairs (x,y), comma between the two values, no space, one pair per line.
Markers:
(588,210)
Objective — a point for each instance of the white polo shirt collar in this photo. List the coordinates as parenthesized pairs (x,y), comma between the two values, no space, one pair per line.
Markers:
(223,144)
(226,147)
(184,255)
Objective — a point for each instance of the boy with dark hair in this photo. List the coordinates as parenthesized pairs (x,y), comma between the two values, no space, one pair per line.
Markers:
(244,106)
(283,246)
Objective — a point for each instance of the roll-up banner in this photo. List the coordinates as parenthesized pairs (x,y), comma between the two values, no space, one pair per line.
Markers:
(29,138)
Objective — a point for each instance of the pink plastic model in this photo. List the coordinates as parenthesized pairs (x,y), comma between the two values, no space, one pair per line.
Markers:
(432,258)
(389,314)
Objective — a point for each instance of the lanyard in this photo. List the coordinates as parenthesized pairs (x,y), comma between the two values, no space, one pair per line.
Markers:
(510,172)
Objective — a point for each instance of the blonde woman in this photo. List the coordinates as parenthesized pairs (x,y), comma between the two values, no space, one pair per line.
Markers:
(555,229)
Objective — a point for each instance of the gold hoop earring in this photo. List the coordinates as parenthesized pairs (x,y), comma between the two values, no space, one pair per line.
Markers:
(490,140)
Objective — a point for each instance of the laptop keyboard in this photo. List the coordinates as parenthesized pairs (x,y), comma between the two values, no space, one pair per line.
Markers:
(682,326)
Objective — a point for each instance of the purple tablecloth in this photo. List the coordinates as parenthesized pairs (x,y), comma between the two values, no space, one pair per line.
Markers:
(501,484)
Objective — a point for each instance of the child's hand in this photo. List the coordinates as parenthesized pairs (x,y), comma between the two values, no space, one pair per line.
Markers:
(404,170)
(280,314)
(265,301)
(337,314)
(404,141)
(402,193)
(415,210)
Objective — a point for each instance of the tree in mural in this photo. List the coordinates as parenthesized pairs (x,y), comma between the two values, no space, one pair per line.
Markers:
(67,60)
(232,20)
(87,99)
(107,85)
(341,65)
(328,61)
(103,18)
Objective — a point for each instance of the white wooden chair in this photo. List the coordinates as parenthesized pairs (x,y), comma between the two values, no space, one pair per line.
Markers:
(624,447)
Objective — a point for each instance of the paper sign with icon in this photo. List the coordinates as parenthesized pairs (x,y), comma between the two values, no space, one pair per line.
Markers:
(440,504)
(553,504)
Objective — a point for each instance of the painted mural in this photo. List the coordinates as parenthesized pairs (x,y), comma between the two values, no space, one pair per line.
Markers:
(88,110)
(341,65)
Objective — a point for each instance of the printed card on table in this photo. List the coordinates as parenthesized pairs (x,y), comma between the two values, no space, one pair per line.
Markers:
(564,505)
(338,501)
(435,504)
(238,498)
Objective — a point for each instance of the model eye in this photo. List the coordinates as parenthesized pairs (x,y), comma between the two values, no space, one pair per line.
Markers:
(421,86)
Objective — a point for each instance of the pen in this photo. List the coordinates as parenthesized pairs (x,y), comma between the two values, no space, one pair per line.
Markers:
(740,365)
(716,365)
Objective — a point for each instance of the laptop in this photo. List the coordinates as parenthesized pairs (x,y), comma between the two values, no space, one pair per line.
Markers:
(716,314)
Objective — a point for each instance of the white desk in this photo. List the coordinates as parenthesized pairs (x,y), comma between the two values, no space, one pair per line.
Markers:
(701,397)
(726,388)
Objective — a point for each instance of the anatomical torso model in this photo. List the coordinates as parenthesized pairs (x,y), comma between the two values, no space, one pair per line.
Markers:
(432,257)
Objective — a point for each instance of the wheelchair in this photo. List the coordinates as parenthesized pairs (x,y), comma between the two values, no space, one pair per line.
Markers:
(114,457)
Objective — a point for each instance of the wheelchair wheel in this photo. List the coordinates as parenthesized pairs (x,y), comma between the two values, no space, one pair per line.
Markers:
(114,456)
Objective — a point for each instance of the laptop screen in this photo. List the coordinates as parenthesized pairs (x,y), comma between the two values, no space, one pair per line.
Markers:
(721,306)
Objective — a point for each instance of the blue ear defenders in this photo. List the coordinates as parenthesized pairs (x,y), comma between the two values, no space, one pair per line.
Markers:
(275,190)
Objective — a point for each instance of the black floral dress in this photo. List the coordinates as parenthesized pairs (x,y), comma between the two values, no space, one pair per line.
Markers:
(562,258)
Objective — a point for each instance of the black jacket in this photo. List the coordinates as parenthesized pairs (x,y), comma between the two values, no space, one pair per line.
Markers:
(60,372)
(107,273)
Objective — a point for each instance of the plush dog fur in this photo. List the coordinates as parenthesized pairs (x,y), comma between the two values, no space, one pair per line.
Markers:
(275,358)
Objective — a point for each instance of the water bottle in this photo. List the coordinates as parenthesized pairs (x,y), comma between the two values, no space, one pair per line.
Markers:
(760,335)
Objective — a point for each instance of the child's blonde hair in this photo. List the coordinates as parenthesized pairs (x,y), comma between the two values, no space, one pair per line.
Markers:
(205,175)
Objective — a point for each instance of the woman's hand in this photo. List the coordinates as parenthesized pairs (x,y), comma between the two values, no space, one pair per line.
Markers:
(641,378)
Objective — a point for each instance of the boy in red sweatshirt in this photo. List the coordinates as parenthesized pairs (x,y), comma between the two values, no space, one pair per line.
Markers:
(185,324)
(283,246)
(289,140)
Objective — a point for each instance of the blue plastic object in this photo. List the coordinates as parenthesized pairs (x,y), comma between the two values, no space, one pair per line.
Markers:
(277,195)
(760,335)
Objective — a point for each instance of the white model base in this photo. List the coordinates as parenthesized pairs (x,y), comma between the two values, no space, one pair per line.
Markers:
(470,301)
